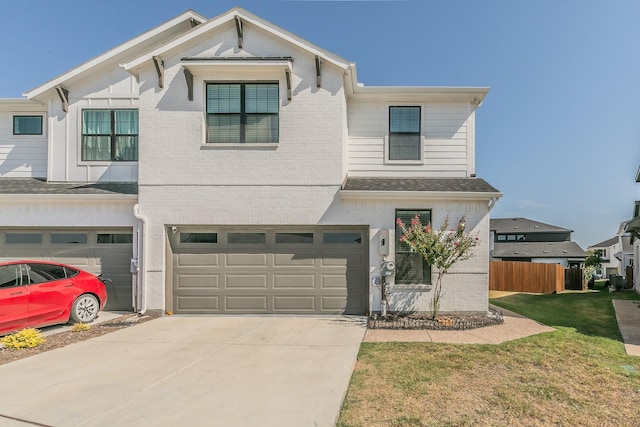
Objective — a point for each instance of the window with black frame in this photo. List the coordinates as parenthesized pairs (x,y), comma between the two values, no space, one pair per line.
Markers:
(110,135)
(242,112)
(411,267)
(404,133)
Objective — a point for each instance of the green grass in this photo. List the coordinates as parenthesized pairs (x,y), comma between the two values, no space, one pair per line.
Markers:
(577,375)
(589,313)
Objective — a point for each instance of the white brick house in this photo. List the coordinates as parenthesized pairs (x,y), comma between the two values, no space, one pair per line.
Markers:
(225,165)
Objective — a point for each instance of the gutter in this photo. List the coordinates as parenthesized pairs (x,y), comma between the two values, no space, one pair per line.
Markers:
(141,295)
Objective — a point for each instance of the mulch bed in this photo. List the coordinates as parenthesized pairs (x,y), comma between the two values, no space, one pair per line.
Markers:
(62,339)
(445,322)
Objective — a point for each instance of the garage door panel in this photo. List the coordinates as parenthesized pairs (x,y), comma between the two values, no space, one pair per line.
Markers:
(257,304)
(246,281)
(197,304)
(294,281)
(195,281)
(185,260)
(246,260)
(295,304)
(292,259)
(333,303)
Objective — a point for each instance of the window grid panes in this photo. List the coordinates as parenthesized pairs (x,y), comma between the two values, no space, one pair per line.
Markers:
(69,238)
(411,267)
(198,237)
(242,112)
(294,238)
(24,238)
(246,238)
(110,135)
(27,125)
(404,133)
(116,238)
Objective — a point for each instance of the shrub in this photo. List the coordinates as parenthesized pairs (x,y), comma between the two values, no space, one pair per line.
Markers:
(79,327)
(26,338)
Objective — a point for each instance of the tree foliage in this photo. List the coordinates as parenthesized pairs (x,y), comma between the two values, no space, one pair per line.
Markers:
(441,248)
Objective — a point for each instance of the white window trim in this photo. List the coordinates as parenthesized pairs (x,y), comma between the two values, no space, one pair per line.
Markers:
(42,136)
(423,109)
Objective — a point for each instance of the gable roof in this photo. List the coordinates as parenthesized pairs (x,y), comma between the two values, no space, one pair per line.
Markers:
(605,244)
(523,225)
(246,17)
(565,249)
(167,30)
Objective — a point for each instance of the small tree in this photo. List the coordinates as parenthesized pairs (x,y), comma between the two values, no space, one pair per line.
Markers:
(441,248)
(592,262)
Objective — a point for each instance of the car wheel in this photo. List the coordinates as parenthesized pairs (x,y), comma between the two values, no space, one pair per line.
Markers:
(85,309)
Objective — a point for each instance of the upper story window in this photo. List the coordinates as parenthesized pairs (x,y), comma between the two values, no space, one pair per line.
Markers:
(27,125)
(511,237)
(110,135)
(242,112)
(404,133)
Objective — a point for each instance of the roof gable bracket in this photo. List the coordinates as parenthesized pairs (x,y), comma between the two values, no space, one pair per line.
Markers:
(193,22)
(239,30)
(189,78)
(318,78)
(287,76)
(64,97)
(159,64)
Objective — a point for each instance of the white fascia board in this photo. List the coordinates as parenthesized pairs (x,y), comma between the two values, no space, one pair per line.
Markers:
(21,104)
(418,195)
(245,16)
(430,93)
(52,198)
(61,79)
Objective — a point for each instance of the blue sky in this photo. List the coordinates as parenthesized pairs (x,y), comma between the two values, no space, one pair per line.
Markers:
(558,134)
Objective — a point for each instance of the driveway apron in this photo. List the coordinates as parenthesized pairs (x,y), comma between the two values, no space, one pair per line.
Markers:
(196,371)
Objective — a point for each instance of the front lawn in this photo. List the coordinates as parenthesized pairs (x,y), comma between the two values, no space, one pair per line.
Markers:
(577,375)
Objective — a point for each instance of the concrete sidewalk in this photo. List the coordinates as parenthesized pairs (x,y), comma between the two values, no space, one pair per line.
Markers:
(628,317)
(515,326)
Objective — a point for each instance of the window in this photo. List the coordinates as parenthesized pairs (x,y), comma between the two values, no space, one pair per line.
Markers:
(41,273)
(302,238)
(198,237)
(245,238)
(61,238)
(411,267)
(27,125)
(511,237)
(342,238)
(115,238)
(24,238)
(404,133)
(110,135)
(242,112)
(10,276)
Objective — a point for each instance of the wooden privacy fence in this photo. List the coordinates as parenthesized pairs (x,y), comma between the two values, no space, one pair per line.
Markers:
(526,277)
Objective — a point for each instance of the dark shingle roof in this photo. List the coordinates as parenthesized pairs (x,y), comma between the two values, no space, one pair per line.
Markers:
(609,242)
(565,249)
(523,225)
(472,185)
(38,186)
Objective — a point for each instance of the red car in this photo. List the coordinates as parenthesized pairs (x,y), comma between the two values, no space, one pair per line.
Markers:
(40,293)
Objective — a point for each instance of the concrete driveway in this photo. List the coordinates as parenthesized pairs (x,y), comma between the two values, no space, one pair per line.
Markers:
(195,371)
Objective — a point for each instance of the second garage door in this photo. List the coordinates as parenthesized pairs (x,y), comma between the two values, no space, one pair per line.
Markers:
(319,270)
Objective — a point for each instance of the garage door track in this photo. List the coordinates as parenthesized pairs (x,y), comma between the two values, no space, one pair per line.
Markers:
(220,370)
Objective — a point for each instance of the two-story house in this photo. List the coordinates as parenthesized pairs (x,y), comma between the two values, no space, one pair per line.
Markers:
(526,240)
(616,253)
(226,165)
(633,227)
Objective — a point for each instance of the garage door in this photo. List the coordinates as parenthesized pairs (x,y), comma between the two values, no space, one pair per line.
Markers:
(316,270)
(98,251)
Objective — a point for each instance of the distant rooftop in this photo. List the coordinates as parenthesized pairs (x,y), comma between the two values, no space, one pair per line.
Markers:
(609,242)
(524,225)
(538,250)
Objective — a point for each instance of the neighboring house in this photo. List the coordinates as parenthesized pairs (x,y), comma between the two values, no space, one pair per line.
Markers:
(610,264)
(525,240)
(633,227)
(226,165)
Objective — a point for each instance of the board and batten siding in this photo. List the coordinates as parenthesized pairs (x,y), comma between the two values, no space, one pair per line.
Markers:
(447,133)
(22,156)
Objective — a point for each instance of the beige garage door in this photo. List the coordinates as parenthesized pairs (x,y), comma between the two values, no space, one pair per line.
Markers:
(98,251)
(317,270)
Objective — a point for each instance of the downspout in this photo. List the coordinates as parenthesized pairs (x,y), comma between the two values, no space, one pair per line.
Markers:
(141,297)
